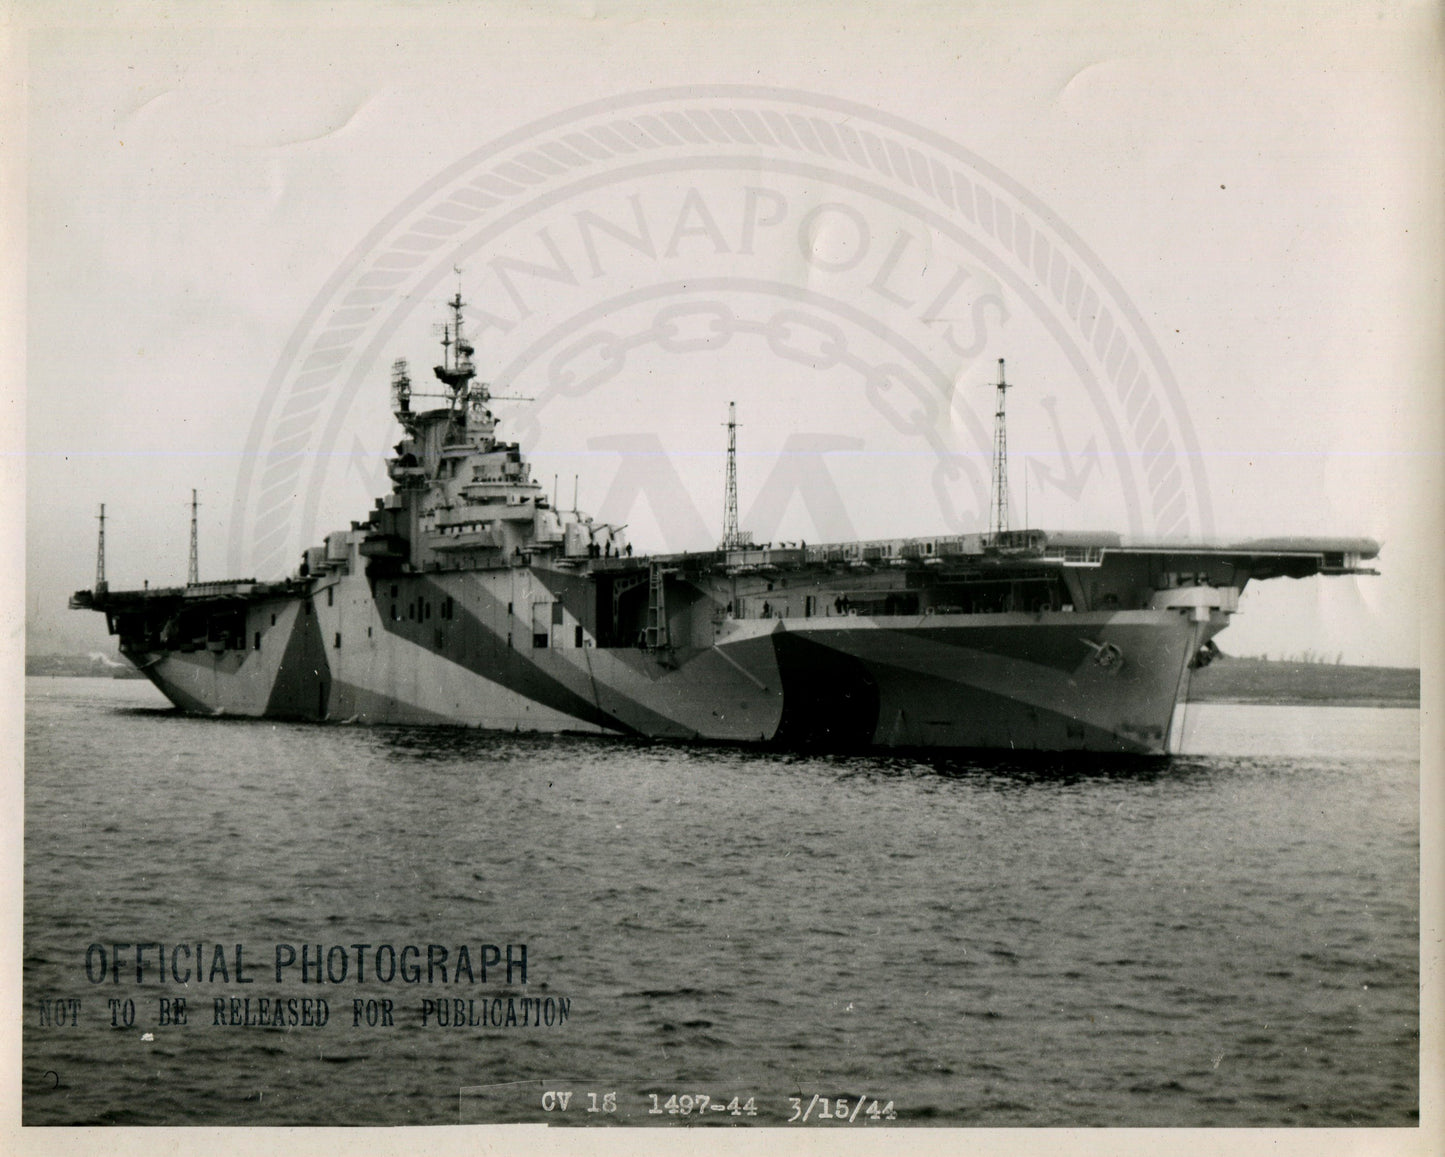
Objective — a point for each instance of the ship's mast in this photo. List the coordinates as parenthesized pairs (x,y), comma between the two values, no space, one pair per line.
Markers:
(100,552)
(464,347)
(998,507)
(457,372)
(730,495)
(193,575)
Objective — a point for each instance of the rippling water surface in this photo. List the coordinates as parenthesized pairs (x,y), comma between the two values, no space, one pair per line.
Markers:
(1226,938)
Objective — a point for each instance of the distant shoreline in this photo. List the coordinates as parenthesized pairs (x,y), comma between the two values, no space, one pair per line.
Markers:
(92,666)
(1264,682)
(1301,701)
(1281,683)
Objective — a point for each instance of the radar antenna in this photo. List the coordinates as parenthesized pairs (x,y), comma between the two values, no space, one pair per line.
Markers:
(998,511)
(400,388)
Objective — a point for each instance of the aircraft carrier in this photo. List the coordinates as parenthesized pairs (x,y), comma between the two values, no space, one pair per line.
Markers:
(467,597)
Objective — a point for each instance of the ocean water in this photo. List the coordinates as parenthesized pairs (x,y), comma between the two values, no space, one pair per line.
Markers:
(1227,938)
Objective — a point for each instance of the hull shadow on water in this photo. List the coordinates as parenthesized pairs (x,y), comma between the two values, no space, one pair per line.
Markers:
(423,743)
(443,743)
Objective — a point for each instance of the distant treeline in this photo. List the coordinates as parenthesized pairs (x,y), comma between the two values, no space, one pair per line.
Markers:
(1235,680)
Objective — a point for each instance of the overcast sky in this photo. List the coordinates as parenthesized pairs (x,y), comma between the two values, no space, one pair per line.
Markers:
(1265,192)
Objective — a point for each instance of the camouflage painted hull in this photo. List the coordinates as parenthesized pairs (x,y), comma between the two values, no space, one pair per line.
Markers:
(472,649)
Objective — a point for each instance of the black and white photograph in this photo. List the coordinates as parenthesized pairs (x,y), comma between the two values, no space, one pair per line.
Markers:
(829,567)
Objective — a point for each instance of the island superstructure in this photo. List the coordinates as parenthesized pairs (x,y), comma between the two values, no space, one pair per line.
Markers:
(467,597)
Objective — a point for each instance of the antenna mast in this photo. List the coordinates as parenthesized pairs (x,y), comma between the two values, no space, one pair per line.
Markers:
(100,553)
(730,538)
(998,512)
(194,574)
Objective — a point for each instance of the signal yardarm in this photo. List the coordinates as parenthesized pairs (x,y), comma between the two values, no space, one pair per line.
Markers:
(153,962)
